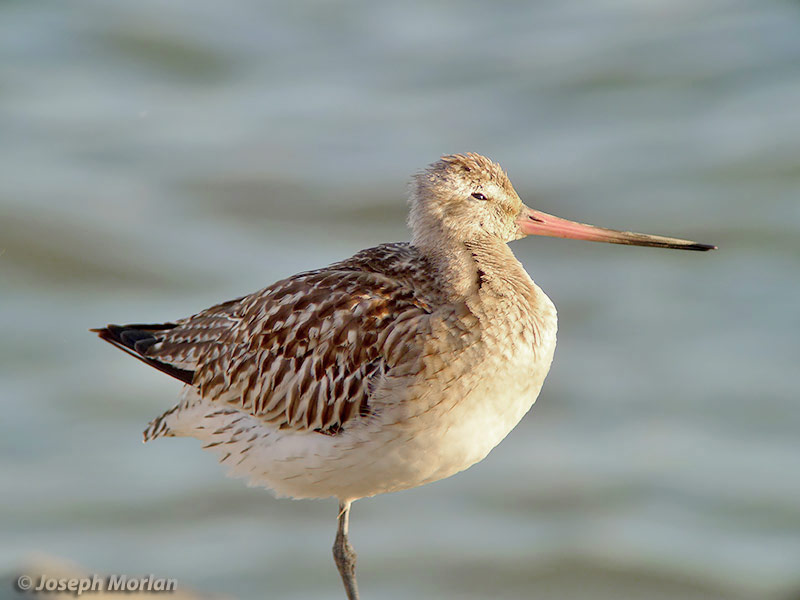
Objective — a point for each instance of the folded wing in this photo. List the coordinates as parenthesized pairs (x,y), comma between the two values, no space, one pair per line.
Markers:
(302,354)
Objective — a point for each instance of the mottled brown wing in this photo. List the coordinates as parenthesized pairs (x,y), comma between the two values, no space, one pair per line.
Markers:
(306,352)
(174,348)
(192,340)
(303,353)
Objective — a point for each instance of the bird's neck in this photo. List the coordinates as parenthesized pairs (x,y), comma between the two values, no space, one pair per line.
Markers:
(484,266)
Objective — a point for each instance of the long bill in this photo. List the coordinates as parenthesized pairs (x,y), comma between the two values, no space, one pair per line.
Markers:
(534,222)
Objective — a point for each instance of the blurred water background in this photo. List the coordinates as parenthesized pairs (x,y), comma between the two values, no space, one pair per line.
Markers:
(156,158)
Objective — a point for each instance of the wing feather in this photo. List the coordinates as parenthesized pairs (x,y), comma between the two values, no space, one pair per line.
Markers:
(306,352)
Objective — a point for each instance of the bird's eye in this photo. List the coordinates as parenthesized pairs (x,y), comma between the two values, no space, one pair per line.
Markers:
(478,196)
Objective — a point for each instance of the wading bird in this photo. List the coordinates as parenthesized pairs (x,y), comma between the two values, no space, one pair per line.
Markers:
(400,366)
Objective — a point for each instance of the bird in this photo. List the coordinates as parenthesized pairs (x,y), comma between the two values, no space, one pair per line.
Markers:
(400,366)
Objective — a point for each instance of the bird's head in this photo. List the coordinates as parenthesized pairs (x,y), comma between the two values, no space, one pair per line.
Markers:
(467,197)
(464,196)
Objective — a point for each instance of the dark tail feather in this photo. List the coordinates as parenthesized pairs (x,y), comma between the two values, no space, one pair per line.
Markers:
(136,339)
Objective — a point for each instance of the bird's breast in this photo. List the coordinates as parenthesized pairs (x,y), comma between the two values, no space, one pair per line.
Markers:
(483,370)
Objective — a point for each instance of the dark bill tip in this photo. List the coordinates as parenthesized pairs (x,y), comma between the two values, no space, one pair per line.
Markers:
(702,247)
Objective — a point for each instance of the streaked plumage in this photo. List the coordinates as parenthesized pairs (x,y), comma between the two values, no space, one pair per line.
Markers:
(399,366)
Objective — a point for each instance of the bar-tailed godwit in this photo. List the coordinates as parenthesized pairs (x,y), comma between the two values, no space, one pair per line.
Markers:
(400,366)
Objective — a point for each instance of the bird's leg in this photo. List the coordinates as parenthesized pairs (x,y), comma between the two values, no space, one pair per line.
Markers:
(344,555)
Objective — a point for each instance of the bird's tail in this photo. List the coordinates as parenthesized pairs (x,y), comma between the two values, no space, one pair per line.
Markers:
(137,340)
